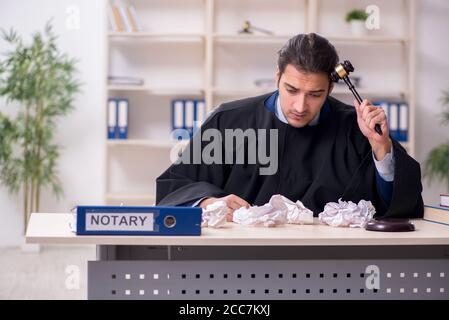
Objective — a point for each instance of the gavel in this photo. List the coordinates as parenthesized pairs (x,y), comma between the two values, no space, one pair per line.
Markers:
(342,71)
(249,28)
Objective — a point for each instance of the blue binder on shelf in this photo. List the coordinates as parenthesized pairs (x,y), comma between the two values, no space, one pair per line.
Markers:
(189,109)
(135,220)
(187,114)
(397,115)
(122,116)
(403,122)
(394,120)
(112,119)
(200,113)
(177,114)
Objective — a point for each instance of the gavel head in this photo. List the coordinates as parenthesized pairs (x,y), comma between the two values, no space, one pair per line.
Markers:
(246,27)
(341,71)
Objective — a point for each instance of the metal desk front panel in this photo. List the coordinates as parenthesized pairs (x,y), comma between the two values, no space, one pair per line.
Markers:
(290,273)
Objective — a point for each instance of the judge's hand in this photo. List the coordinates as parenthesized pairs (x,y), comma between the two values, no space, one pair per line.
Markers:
(233,203)
(367,117)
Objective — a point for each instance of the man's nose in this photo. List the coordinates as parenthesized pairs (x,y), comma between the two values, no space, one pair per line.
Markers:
(300,103)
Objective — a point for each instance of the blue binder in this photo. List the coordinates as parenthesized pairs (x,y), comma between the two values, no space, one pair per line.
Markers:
(397,115)
(403,122)
(189,116)
(200,113)
(394,120)
(177,116)
(112,119)
(135,220)
(122,118)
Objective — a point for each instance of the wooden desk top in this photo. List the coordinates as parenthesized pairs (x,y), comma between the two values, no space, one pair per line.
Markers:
(53,228)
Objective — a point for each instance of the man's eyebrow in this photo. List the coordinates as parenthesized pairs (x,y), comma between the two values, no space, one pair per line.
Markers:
(312,91)
(290,86)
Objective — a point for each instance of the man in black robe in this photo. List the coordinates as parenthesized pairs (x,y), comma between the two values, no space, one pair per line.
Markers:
(322,149)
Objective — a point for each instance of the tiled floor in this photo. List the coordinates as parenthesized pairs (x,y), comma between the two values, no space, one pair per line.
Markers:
(57,272)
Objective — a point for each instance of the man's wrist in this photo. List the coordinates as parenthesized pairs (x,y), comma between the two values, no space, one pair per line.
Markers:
(205,202)
(380,150)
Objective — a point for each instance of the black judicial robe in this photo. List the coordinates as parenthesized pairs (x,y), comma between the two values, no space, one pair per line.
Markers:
(316,164)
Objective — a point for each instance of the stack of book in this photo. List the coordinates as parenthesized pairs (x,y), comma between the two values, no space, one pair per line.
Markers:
(436,214)
(123,19)
(439,213)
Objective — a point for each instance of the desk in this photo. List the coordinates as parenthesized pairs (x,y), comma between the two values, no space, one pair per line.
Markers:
(286,262)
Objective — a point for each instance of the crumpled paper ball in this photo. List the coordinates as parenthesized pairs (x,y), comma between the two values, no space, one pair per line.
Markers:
(279,210)
(347,214)
(214,215)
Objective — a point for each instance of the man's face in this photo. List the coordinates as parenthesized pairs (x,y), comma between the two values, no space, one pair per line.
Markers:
(302,94)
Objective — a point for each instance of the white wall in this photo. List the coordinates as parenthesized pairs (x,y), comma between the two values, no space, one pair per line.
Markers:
(81,165)
(432,70)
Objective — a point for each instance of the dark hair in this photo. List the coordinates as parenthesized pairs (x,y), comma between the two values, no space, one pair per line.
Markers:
(308,53)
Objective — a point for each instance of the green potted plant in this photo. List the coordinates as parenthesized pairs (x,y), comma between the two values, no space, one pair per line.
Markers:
(356,18)
(38,86)
(437,162)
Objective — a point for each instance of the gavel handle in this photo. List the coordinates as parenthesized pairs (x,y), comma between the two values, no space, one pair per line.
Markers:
(359,99)
(262,30)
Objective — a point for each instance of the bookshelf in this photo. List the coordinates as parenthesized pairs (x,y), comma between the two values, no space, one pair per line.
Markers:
(191,49)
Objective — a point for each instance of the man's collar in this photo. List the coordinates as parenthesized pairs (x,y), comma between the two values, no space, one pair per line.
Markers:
(278,111)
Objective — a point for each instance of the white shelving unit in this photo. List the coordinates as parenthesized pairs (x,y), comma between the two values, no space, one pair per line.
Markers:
(193,49)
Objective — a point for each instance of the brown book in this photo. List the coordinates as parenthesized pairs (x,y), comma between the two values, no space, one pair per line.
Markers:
(118,21)
(436,214)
